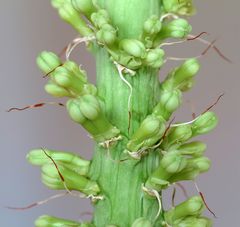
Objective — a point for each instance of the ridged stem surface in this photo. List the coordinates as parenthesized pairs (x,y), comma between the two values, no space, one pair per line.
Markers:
(121,180)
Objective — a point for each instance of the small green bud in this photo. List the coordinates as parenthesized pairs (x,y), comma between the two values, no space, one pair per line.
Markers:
(177,135)
(48,61)
(152,25)
(154,58)
(180,7)
(142,222)
(71,160)
(180,77)
(190,172)
(149,132)
(170,100)
(195,148)
(75,111)
(178,28)
(100,18)
(106,35)
(191,207)
(133,47)
(89,106)
(73,181)
(204,123)
(173,162)
(56,90)
(71,16)
(84,6)
(50,221)
(194,222)
(203,164)
(86,110)
(70,80)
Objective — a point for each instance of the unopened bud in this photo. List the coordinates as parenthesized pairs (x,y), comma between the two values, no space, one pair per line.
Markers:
(191,207)
(182,75)
(173,162)
(73,180)
(71,16)
(133,47)
(154,58)
(152,25)
(178,135)
(106,35)
(195,148)
(84,6)
(100,18)
(169,101)
(149,132)
(48,61)
(178,28)
(204,123)
(203,164)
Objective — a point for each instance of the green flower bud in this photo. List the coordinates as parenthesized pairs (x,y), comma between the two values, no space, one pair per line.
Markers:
(180,7)
(73,181)
(177,136)
(86,110)
(182,75)
(90,89)
(154,58)
(50,221)
(141,222)
(194,222)
(190,172)
(203,164)
(204,123)
(89,106)
(195,148)
(178,28)
(152,25)
(149,132)
(100,18)
(172,162)
(84,6)
(106,35)
(71,16)
(73,161)
(75,111)
(191,207)
(133,47)
(69,80)
(170,100)
(48,61)
(56,90)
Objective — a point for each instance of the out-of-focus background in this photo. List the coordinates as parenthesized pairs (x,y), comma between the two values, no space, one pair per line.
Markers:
(30,26)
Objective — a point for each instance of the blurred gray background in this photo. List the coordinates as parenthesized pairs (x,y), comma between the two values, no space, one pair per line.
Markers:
(29,26)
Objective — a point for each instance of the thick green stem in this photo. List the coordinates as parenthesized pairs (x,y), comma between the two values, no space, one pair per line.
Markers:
(121,181)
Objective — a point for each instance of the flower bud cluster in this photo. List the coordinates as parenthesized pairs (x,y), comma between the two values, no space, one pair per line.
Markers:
(68,79)
(153,127)
(128,52)
(182,160)
(188,214)
(73,168)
